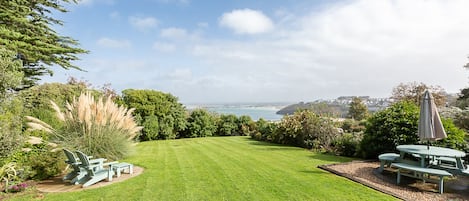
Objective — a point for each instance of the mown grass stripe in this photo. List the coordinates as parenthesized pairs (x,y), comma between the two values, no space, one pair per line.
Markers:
(227,168)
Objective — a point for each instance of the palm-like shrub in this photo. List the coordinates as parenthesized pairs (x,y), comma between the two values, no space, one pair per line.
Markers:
(100,128)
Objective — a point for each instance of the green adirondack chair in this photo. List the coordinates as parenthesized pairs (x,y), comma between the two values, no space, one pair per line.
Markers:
(77,172)
(95,172)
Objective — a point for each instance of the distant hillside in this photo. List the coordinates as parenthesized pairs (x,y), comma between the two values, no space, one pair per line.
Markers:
(322,108)
(336,107)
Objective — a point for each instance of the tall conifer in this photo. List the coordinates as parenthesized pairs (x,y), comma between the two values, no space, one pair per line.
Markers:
(26,28)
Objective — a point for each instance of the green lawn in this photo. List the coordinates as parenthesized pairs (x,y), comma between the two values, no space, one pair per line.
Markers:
(227,168)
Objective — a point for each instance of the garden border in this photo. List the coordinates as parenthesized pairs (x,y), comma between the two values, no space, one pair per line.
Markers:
(353,178)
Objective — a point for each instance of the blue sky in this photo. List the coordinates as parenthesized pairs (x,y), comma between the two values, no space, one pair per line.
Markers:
(268,51)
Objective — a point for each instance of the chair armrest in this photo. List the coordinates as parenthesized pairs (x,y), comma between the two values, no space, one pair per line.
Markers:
(98,160)
(110,163)
(99,166)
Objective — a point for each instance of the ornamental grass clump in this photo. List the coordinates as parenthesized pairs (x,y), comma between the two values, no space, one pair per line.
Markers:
(100,128)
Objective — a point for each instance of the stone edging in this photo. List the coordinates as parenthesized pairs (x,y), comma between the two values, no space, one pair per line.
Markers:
(351,177)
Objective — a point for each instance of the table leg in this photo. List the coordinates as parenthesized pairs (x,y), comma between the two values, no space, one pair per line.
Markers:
(422,161)
(459,163)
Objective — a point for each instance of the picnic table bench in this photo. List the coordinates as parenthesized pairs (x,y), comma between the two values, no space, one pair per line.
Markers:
(386,159)
(421,173)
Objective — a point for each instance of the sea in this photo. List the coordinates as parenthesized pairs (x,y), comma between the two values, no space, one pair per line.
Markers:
(267,111)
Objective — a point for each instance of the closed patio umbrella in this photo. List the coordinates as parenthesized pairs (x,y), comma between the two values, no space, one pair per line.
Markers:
(430,126)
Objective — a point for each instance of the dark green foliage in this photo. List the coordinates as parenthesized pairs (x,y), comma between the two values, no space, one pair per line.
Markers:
(228,125)
(346,144)
(10,72)
(306,129)
(38,100)
(164,106)
(352,126)
(246,125)
(461,119)
(388,128)
(151,128)
(42,161)
(463,99)
(455,139)
(11,137)
(320,108)
(357,109)
(398,125)
(201,123)
(264,130)
(26,28)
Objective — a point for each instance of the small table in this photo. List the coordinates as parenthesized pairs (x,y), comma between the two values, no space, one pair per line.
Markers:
(423,151)
(119,167)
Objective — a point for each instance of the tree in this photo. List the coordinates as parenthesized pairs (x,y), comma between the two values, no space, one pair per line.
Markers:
(201,124)
(10,72)
(228,125)
(413,92)
(165,107)
(26,28)
(358,109)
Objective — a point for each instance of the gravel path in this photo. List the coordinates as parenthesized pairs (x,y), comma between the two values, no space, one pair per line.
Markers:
(366,172)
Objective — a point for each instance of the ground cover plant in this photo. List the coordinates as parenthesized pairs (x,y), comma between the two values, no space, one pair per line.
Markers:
(226,168)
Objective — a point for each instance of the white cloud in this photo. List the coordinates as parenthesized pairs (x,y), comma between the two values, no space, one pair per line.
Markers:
(356,47)
(143,23)
(164,47)
(246,21)
(349,48)
(113,43)
(174,33)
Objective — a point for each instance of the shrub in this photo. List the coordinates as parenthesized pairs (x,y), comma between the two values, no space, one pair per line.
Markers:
(264,130)
(37,100)
(101,128)
(346,144)
(170,113)
(150,129)
(227,125)
(397,125)
(462,119)
(455,137)
(39,161)
(388,128)
(353,126)
(246,125)
(201,124)
(306,129)
(8,175)
(11,137)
